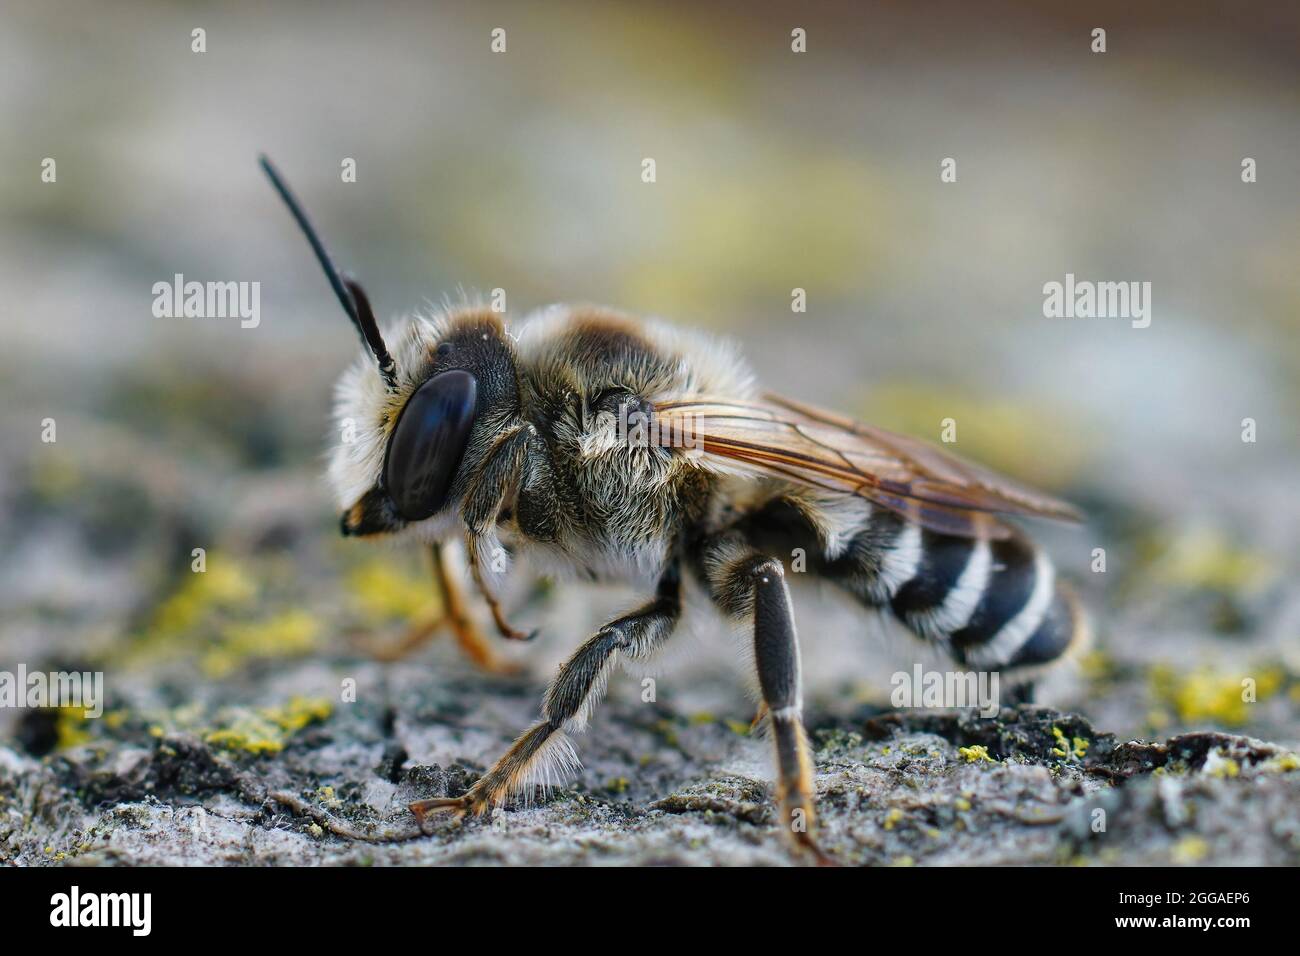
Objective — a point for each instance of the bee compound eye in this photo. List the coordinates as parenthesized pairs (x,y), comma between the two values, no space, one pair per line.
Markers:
(426,447)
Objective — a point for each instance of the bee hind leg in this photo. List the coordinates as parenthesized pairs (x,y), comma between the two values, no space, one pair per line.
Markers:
(749,582)
(776,655)
(543,752)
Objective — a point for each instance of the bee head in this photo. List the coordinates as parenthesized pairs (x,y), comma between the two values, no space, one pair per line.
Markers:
(404,456)
(411,426)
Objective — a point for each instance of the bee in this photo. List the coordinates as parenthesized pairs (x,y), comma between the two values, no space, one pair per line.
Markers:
(476,430)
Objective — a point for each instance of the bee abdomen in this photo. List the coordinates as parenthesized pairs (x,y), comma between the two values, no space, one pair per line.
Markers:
(991,603)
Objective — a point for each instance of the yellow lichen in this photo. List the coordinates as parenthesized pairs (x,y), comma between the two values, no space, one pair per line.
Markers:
(267,729)
(384,591)
(976,753)
(71,727)
(245,739)
(1282,763)
(1097,665)
(893,818)
(219,617)
(55,476)
(1067,748)
(668,732)
(1221,766)
(223,584)
(1157,719)
(289,634)
(1190,849)
(299,712)
(1211,694)
(1205,559)
(1063,750)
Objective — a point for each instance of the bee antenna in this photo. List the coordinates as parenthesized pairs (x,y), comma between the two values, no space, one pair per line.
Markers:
(350,294)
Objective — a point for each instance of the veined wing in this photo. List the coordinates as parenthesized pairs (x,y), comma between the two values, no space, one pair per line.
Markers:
(780,438)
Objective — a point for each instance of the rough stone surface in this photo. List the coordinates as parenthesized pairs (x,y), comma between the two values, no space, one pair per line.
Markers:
(660,787)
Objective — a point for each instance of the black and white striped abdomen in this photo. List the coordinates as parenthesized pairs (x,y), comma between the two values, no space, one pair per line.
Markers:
(992,604)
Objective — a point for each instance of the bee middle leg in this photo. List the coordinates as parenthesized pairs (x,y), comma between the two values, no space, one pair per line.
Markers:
(504,627)
(544,750)
(469,637)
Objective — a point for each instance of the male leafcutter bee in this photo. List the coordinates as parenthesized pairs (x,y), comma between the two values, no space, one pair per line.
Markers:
(474,429)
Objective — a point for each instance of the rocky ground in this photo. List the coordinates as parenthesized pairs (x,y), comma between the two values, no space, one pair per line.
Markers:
(241,733)
(315,782)
(248,719)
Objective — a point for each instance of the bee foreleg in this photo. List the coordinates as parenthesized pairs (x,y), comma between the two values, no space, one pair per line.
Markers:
(543,753)
(479,511)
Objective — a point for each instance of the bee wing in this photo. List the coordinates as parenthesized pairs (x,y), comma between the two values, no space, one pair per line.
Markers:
(781,438)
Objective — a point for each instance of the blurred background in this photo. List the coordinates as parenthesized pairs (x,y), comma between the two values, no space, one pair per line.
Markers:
(522,171)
